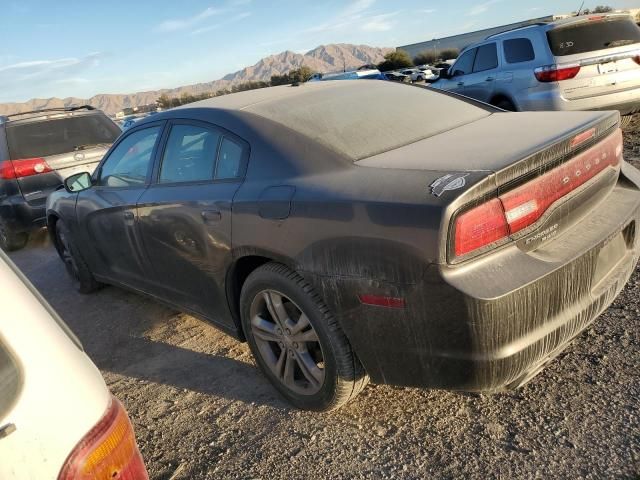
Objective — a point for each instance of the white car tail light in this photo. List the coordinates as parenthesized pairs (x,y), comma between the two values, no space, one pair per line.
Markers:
(107,452)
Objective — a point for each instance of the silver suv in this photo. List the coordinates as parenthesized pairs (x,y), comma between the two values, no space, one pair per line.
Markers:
(580,63)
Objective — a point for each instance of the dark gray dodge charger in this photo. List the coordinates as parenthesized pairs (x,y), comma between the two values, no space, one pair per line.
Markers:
(348,236)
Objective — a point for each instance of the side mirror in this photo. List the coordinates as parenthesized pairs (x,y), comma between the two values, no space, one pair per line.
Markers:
(78,182)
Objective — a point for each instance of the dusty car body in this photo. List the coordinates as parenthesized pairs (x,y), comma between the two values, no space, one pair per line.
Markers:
(462,253)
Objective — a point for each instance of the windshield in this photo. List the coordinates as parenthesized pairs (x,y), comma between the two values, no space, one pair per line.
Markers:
(594,35)
(61,135)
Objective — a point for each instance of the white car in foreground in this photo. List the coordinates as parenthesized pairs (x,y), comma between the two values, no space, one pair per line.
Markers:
(58,420)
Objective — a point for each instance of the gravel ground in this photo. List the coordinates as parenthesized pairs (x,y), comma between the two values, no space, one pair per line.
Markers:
(201,409)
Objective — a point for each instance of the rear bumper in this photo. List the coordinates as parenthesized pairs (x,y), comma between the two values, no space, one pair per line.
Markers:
(493,324)
(626,101)
(23,216)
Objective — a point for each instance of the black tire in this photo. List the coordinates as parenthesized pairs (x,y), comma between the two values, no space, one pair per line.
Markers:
(341,376)
(505,104)
(626,120)
(78,270)
(11,240)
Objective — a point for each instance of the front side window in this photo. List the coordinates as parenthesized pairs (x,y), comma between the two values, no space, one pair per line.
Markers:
(518,50)
(487,58)
(128,164)
(190,154)
(464,65)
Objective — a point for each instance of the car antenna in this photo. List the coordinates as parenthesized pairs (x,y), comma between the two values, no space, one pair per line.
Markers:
(580,9)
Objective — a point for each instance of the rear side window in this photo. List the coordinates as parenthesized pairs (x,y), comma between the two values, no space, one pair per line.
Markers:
(464,65)
(590,36)
(190,154)
(10,380)
(60,135)
(229,160)
(486,58)
(518,50)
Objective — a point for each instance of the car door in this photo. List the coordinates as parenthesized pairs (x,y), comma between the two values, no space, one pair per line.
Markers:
(460,71)
(480,83)
(185,216)
(106,212)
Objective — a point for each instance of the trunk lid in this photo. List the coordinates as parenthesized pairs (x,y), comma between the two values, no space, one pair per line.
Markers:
(493,144)
(521,177)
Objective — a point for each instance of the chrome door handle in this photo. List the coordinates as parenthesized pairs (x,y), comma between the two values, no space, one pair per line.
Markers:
(489,79)
(211,216)
(7,430)
(461,84)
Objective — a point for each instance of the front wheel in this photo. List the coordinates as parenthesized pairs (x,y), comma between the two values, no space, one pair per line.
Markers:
(79,272)
(297,342)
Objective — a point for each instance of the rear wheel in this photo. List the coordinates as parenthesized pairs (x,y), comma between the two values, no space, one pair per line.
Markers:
(297,342)
(79,272)
(11,240)
(504,104)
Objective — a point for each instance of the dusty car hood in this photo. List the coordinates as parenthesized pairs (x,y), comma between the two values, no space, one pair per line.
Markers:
(488,144)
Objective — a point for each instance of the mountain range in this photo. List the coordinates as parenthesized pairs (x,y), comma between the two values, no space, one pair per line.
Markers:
(325,58)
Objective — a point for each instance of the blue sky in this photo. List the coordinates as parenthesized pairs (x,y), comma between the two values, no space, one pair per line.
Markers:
(80,48)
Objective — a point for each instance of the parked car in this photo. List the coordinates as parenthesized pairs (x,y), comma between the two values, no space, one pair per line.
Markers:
(397,77)
(57,417)
(459,251)
(580,63)
(38,150)
(360,74)
(418,75)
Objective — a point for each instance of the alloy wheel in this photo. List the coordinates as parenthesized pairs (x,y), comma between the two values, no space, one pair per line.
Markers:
(287,342)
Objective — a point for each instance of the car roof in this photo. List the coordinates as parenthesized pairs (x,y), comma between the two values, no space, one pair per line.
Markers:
(342,116)
(48,114)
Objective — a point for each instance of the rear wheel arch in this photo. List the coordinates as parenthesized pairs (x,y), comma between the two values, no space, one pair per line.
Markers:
(237,276)
(501,100)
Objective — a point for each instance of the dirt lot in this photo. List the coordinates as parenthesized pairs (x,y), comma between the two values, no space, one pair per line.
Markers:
(202,410)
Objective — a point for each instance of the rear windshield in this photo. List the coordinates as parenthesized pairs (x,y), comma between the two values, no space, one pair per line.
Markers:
(362,119)
(590,36)
(60,135)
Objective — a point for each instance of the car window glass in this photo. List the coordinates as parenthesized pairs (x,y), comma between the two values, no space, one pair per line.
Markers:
(190,154)
(464,65)
(487,58)
(10,380)
(593,35)
(518,50)
(129,163)
(229,160)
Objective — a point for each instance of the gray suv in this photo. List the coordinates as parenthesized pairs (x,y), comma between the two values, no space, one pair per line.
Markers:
(589,62)
(38,150)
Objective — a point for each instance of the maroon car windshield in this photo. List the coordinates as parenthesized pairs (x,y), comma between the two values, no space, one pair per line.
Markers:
(59,135)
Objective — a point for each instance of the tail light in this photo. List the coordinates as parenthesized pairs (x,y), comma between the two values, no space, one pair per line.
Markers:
(637,59)
(556,73)
(10,169)
(107,452)
(492,223)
